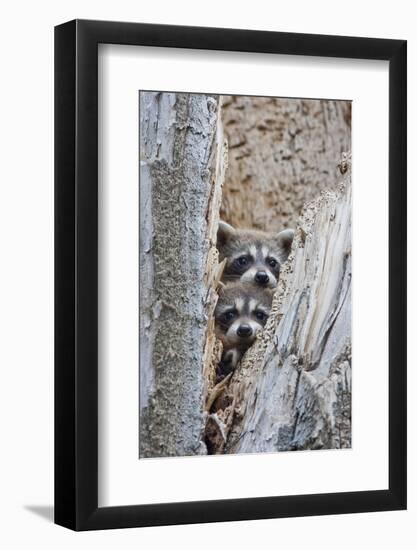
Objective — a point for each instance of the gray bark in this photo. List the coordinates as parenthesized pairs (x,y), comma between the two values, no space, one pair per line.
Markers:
(181,167)
(292,390)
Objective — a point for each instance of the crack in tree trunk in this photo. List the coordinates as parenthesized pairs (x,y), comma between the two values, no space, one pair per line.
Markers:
(293,386)
(292,389)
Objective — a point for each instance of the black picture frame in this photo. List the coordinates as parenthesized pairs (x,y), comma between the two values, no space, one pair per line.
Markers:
(76,272)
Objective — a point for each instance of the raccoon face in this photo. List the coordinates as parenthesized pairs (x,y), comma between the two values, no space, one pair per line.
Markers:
(253,256)
(241,312)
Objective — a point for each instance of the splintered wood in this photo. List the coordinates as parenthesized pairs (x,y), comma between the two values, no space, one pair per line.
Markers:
(292,389)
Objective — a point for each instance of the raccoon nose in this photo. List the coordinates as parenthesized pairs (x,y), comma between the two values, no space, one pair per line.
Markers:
(244,331)
(262,278)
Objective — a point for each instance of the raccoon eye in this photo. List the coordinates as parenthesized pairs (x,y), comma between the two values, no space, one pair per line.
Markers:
(242,261)
(260,315)
(229,315)
(272,262)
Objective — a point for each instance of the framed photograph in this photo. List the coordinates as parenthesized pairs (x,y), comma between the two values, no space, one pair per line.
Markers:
(230,253)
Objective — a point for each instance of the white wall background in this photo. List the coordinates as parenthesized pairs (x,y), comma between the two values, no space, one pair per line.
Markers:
(26,274)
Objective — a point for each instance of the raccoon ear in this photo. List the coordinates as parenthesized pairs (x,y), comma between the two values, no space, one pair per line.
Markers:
(224,232)
(284,240)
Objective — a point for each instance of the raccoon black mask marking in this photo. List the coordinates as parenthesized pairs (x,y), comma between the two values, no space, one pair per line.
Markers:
(241,312)
(253,256)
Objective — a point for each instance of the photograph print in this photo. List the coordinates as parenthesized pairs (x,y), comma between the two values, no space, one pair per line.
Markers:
(244,274)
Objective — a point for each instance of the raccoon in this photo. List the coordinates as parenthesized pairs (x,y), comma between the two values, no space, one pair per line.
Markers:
(253,256)
(241,312)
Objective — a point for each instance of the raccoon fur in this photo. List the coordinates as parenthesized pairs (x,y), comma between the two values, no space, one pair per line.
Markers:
(241,312)
(253,256)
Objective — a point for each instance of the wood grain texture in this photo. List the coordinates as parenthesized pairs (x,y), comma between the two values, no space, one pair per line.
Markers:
(181,165)
(292,390)
(282,153)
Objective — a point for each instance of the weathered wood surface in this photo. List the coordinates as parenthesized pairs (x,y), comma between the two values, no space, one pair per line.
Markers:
(182,163)
(292,390)
(282,153)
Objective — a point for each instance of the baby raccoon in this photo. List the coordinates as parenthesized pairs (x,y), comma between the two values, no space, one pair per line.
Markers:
(241,312)
(253,256)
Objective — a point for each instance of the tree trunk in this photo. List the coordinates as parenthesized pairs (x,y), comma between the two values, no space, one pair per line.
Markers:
(182,162)
(293,388)
(282,153)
